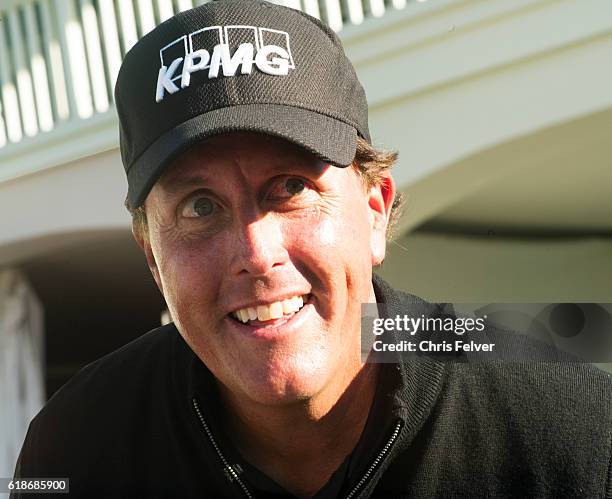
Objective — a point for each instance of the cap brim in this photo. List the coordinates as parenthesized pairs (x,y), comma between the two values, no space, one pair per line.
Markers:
(329,139)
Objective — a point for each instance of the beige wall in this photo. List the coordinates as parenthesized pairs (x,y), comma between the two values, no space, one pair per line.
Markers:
(459,268)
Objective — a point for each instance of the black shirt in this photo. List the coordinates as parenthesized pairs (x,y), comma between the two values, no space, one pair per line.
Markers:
(377,427)
(127,426)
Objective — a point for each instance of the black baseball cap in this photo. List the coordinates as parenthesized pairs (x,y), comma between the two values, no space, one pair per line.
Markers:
(236,65)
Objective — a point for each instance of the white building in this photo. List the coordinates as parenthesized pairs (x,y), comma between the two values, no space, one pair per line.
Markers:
(501,111)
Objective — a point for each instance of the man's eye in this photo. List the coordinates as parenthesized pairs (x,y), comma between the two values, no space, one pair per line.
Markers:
(290,190)
(294,186)
(199,207)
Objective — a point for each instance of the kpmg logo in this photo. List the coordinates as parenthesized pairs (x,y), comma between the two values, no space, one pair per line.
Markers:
(225,50)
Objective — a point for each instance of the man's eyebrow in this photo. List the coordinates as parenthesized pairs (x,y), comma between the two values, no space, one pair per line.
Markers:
(313,167)
(180,183)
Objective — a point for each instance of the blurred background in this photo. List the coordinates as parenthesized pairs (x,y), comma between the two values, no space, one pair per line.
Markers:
(501,111)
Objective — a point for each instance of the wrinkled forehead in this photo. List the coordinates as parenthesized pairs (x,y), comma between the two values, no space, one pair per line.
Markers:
(258,153)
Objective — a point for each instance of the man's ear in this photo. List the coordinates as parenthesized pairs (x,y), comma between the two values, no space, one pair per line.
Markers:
(145,246)
(380,201)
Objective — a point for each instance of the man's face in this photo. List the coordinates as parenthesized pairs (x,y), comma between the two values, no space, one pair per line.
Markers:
(248,221)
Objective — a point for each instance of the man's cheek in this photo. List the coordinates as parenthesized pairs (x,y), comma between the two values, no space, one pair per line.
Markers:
(327,233)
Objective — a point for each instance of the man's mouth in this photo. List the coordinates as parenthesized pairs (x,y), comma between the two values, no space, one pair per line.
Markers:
(262,314)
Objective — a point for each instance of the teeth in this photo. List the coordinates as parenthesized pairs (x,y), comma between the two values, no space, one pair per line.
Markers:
(276,310)
(252,313)
(272,311)
(263,313)
(288,306)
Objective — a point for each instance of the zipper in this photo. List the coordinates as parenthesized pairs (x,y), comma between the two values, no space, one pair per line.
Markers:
(377,461)
(231,473)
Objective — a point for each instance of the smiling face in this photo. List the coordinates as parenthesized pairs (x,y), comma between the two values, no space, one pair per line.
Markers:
(264,255)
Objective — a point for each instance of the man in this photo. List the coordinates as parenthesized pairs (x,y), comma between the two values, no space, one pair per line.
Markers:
(261,208)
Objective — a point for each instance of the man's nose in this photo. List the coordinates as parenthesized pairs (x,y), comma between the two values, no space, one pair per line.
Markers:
(259,247)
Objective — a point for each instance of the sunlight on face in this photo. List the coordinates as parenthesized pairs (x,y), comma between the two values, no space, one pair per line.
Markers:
(263,253)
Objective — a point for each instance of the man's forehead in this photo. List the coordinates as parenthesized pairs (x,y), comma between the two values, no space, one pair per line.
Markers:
(261,153)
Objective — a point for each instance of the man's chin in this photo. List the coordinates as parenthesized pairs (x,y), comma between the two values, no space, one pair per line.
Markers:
(284,388)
